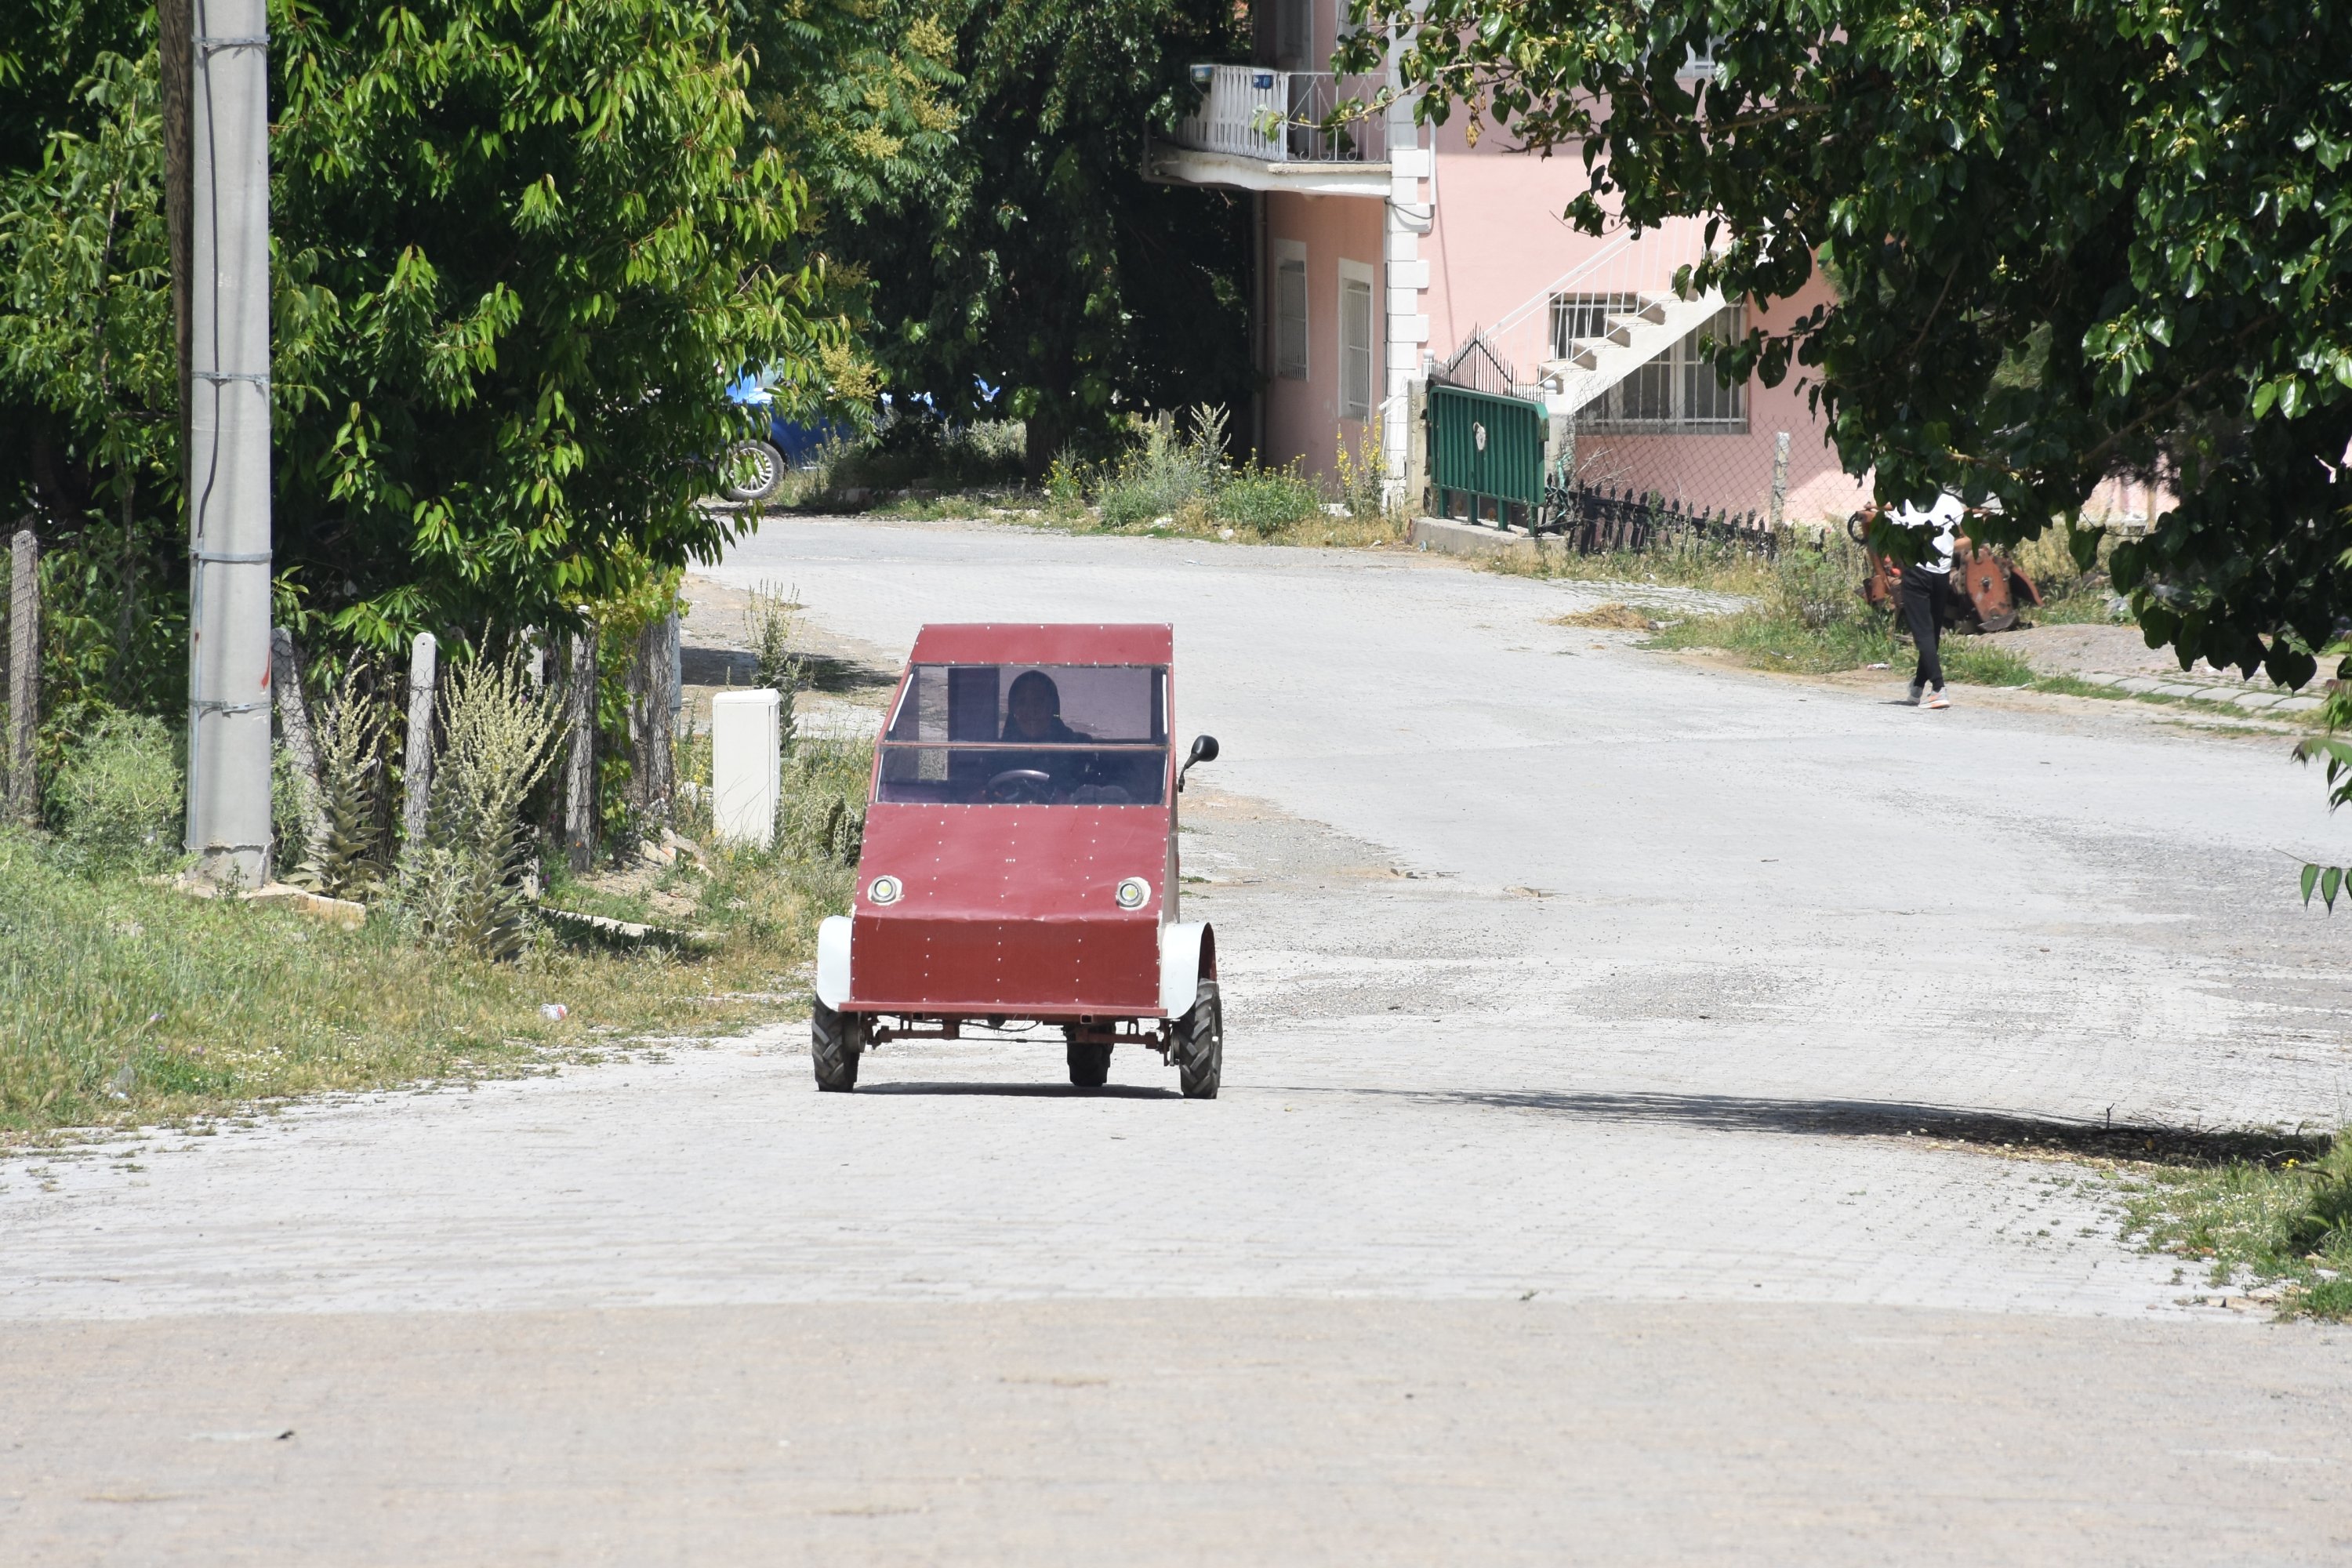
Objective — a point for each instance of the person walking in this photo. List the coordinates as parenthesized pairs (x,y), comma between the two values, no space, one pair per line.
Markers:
(1928,592)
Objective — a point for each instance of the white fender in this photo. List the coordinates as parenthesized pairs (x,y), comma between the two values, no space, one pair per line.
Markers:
(1179,965)
(833,961)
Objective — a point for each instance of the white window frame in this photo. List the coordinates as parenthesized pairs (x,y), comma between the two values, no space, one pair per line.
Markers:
(1289,260)
(1364,356)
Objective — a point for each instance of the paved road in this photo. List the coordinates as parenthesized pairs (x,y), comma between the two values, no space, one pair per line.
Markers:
(1608,1168)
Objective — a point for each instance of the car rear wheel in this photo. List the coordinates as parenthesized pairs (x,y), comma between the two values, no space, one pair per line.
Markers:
(1089,1064)
(1201,1045)
(835,1042)
(755,471)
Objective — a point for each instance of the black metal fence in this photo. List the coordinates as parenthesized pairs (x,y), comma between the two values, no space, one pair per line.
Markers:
(1599,522)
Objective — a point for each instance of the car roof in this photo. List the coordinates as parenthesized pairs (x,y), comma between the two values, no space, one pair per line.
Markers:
(1000,642)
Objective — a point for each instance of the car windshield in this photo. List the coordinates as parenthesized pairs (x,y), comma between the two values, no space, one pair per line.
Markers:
(1028,734)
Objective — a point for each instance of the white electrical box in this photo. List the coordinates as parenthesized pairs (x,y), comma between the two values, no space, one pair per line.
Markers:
(746,767)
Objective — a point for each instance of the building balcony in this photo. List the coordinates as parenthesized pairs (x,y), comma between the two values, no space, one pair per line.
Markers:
(1261,130)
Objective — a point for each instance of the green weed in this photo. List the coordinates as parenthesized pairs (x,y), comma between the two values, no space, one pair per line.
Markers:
(124,1001)
(2288,1222)
(116,796)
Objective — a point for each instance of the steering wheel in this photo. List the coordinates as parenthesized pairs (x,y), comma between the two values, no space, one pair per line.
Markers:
(1021,787)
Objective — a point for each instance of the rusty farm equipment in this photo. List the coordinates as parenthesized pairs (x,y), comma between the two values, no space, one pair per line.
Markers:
(1988,592)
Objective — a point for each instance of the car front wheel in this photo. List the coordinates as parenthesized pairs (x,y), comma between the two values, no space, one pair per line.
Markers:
(755,471)
(1201,1045)
(835,1042)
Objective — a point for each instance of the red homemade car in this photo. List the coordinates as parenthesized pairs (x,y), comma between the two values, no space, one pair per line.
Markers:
(1020,861)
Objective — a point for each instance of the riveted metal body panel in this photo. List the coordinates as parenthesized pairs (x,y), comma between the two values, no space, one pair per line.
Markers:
(1010,909)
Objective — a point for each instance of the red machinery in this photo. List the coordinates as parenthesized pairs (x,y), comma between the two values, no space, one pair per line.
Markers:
(1020,863)
(1989,591)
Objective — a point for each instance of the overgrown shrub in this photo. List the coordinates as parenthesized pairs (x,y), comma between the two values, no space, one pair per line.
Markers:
(820,810)
(465,887)
(116,798)
(1168,471)
(1817,589)
(910,453)
(776,667)
(348,860)
(1267,501)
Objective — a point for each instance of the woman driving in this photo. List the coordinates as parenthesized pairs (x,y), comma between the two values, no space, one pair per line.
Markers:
(1032,713)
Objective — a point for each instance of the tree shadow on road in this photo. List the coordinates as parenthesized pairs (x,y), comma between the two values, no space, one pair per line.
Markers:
(1898,1118)
(702,665)
(1027,1090)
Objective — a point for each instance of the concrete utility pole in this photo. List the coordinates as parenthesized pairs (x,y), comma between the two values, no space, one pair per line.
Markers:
(23,672)
(228,443)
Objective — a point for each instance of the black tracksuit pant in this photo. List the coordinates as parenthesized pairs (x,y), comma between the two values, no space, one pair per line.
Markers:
(1926,596)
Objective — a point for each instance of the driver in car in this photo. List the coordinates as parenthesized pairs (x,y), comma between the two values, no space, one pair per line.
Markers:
(1033,713)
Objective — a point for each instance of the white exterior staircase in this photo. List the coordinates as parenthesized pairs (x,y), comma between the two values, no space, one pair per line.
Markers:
(1633,338)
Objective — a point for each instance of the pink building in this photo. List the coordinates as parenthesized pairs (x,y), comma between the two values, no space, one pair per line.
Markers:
(1393,253)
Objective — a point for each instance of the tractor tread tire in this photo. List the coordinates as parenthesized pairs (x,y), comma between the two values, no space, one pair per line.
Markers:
(835,1042)
(1089,1064)
(1201,1045)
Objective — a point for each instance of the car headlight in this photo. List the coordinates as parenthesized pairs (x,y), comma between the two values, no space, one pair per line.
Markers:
(1133,893)
(884,890)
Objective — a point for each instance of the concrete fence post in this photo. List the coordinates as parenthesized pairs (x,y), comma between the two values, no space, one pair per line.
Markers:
(417,792)
(24,673)
(746,767)
(1779,477)
(579,763)
(653,725)
(294,723)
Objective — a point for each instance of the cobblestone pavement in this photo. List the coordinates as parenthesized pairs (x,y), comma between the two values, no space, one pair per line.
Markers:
(1681,1013)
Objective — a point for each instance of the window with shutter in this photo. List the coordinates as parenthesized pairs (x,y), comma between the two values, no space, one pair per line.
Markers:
(1290,316)
(1355,341)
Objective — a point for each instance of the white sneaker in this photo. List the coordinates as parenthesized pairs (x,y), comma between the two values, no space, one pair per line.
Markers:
(1935,699)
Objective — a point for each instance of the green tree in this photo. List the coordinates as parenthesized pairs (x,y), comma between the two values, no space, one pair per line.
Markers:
(2070,240)
(860,98)
(1035,258)
(522,245)
(48,48)
(519,245)
(85,359)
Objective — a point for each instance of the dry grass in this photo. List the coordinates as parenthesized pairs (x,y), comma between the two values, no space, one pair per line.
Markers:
(1612,616)
(1321,531)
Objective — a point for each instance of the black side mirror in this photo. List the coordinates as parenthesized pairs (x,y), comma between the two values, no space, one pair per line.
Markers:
(1204,750)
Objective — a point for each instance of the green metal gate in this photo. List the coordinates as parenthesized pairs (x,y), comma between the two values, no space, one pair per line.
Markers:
(1485,448)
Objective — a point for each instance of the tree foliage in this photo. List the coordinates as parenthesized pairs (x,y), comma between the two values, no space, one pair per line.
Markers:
(1033,262)
(2070,240)
(89,391)
(522,245)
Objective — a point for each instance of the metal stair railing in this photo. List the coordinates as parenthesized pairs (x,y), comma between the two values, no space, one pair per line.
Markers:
(1644,316)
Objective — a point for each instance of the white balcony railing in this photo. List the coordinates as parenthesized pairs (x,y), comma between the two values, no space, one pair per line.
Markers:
(1278,116)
